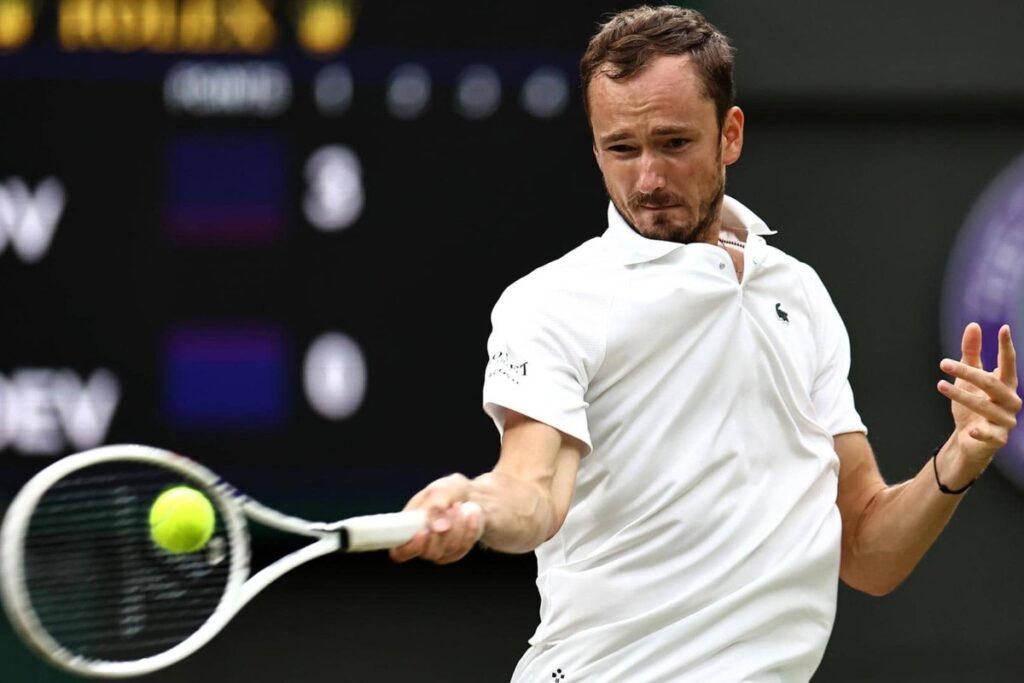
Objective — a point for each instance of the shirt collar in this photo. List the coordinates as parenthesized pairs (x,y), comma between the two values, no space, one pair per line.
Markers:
(636,248)
(739,218)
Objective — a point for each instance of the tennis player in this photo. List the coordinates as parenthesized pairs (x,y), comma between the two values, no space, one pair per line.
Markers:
(680,445)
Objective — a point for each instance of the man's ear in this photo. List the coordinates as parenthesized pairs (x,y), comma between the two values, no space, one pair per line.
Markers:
(732,135)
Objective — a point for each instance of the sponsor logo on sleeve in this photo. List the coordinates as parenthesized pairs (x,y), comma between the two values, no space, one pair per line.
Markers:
(502,365)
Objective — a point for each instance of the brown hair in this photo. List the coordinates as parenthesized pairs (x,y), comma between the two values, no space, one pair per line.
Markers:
(631,39)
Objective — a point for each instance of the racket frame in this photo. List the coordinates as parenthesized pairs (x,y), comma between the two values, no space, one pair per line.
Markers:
(356,534)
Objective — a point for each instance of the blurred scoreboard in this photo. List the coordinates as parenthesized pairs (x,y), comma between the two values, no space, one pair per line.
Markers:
(269,234)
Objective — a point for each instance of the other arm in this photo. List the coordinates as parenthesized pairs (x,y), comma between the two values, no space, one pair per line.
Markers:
(524,499)
(888,529)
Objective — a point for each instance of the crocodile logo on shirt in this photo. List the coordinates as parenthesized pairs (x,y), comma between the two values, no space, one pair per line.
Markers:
(783,315)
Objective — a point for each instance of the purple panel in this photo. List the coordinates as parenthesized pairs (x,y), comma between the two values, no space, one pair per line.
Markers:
(231,377)
(226,191)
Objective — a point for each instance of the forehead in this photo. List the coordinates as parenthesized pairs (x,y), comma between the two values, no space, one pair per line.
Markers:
(668,91)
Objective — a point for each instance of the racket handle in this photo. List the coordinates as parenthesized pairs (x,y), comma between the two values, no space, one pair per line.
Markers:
(380,532)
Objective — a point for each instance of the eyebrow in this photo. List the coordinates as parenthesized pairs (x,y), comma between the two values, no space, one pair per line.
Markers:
(672,130)
(657,132)
(614,137)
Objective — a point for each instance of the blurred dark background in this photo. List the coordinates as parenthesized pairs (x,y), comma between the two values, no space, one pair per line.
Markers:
(213,230)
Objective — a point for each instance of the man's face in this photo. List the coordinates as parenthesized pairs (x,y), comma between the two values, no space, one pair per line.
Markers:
(661,150)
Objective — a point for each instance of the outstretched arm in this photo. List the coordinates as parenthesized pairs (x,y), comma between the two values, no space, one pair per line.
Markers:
(524,499)
(888,529)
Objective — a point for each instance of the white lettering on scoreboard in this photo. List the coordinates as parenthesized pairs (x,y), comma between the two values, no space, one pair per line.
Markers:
(214,89)
(28,219)
(334,376)
(45,411)
(334,198)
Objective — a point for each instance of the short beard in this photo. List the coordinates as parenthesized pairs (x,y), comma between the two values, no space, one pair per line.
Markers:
(701,229)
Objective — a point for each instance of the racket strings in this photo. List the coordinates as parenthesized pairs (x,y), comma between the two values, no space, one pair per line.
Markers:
(97,582)
(185,610)
(93,631)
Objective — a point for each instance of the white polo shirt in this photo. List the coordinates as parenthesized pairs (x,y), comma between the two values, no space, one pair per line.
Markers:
(702,543)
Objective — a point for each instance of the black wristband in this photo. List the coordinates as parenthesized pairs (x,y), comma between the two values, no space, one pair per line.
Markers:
(943,487)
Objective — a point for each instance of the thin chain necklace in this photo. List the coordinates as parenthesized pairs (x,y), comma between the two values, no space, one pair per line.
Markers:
(738,245)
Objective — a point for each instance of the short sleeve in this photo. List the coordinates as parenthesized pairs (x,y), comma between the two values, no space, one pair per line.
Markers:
(541,351)
(831,392)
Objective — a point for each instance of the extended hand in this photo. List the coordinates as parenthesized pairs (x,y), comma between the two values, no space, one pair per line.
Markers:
(984,404)
(454,524)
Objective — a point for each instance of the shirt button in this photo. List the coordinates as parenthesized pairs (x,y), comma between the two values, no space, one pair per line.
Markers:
(721,266)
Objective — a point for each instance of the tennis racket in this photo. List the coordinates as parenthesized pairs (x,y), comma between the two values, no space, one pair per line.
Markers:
(85,585)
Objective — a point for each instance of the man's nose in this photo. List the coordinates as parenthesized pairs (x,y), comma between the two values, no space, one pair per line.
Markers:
(652,177)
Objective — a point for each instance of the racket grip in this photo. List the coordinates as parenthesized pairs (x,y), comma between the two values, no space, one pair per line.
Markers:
(380,532)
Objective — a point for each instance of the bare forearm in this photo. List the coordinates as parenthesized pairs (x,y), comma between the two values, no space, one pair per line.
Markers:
(900,523)
(523,500)
(520,515)
(888,529)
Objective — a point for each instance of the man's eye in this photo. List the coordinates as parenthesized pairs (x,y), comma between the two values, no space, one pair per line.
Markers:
(677,143)
(621,149)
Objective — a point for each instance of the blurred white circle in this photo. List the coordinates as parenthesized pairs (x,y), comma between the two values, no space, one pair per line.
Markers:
(334,198)
(333,89)
(545,93)
(408,91)
(478,92)
(334,375)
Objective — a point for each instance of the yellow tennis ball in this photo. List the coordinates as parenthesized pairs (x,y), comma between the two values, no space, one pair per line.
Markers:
(181,520)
